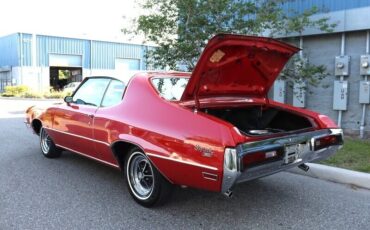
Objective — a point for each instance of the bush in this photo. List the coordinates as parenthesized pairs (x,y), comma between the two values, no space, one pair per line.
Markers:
(56,94)
(24,91)
(15,91)
(32,94)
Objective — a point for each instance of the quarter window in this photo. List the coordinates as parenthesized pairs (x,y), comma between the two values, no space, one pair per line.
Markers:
(91,92)
(170,88)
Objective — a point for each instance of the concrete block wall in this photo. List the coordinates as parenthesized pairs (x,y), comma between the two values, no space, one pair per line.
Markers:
(321,50)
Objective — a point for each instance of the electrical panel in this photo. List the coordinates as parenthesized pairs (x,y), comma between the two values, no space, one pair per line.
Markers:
(299,95)
(342,65)
(340,95)
(365,65)
(364,92)
(279,91)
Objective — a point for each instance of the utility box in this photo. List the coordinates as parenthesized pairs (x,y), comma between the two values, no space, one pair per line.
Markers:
(365,65)
(364,92)
(299,95)
(279,91)
(340,95)
(342,65)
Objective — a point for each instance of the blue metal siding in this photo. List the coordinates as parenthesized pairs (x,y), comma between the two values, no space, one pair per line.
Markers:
(9,53)
(58,45)
(105,53)
(26,43)
(95,54)
(325,5)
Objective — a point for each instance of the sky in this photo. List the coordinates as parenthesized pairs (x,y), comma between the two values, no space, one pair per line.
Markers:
(95,19)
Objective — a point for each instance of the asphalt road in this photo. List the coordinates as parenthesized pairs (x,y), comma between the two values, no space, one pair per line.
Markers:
(76,193)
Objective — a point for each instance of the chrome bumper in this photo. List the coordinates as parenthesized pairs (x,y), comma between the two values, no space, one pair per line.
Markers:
(233,166)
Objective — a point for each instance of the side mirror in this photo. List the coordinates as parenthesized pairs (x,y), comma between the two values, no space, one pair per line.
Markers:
(68,99)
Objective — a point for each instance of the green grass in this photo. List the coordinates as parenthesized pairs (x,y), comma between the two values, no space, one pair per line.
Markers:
(355,155)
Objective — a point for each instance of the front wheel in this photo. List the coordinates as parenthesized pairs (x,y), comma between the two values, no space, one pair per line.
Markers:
(146,185)
(47,145)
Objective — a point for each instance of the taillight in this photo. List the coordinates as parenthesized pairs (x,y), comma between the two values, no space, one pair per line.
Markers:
(255,158)
(327,141)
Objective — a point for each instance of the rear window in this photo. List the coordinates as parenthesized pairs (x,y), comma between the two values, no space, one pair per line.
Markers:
(170,89)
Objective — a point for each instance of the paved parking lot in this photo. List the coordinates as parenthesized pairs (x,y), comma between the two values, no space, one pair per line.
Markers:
(73,192)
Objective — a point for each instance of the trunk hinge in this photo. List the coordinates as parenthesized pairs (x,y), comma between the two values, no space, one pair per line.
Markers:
(267,100)
(195,94)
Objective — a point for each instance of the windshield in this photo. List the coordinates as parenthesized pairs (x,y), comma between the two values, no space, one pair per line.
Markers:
(170,88)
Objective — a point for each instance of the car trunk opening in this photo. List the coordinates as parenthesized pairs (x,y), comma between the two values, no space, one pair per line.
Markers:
(257,120)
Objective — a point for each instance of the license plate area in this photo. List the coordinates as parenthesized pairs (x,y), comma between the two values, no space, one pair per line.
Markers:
(291,153)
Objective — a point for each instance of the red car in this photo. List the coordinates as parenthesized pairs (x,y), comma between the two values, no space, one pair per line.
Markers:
(210,129)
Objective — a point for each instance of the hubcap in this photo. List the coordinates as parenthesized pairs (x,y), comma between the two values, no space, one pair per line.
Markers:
(140,175)
(45,142)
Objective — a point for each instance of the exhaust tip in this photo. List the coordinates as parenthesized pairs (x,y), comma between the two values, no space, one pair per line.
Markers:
(228,193)
(304,167)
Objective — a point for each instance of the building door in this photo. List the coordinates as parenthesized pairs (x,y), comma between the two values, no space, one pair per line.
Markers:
(5,79)
(64,69)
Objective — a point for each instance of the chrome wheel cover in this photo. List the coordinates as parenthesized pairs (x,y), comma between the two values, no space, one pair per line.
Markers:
(140,175)
(45,142)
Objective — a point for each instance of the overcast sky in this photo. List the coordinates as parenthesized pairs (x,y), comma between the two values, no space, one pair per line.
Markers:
(98,19)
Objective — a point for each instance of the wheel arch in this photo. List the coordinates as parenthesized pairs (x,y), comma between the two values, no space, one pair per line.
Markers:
(121,148)
(36,125)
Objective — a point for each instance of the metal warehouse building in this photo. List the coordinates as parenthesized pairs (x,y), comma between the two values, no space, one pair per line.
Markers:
(38,61)
(345,53)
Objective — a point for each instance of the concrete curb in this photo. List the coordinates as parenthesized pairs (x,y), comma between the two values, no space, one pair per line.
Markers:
(338,175)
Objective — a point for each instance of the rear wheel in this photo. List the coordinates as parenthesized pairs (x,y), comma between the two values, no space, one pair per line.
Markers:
(47,145)
(146,185)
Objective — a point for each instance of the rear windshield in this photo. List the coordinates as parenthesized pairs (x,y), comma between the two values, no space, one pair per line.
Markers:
(170,88)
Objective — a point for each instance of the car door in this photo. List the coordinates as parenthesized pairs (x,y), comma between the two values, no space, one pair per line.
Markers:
(74,121)
(106,121)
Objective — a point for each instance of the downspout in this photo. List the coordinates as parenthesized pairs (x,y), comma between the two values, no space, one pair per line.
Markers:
(91,50)
(341,77)
(21,57)
(34,62)
(301,47)
(362,126)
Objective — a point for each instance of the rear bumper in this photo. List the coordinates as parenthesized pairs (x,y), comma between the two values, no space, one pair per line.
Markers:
(305,152)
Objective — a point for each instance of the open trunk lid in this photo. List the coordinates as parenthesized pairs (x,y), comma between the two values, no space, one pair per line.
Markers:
(237,65)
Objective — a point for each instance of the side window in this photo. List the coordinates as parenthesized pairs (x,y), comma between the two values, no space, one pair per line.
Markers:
(114,93)
(170,88)
(91,92)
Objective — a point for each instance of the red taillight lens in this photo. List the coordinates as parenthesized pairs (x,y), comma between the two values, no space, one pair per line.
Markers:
(252,159)
(327,141)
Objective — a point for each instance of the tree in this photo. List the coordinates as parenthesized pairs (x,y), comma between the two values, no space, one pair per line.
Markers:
(181,29)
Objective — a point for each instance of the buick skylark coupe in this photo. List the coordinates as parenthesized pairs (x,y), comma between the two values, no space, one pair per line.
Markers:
(210,129)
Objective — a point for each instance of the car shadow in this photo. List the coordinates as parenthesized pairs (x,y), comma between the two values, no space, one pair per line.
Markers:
(255,193)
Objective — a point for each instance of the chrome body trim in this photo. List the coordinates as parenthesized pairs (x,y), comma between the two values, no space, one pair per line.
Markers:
(88,156)
(183,161)
(210,176)
(231,169)
(305,153)
(79,136)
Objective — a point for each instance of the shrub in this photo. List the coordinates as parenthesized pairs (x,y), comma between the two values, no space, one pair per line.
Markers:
(24,91)
(56,94)
(32,94)
(17,90)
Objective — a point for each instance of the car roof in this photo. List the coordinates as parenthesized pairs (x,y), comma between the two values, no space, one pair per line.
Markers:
(146,74)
